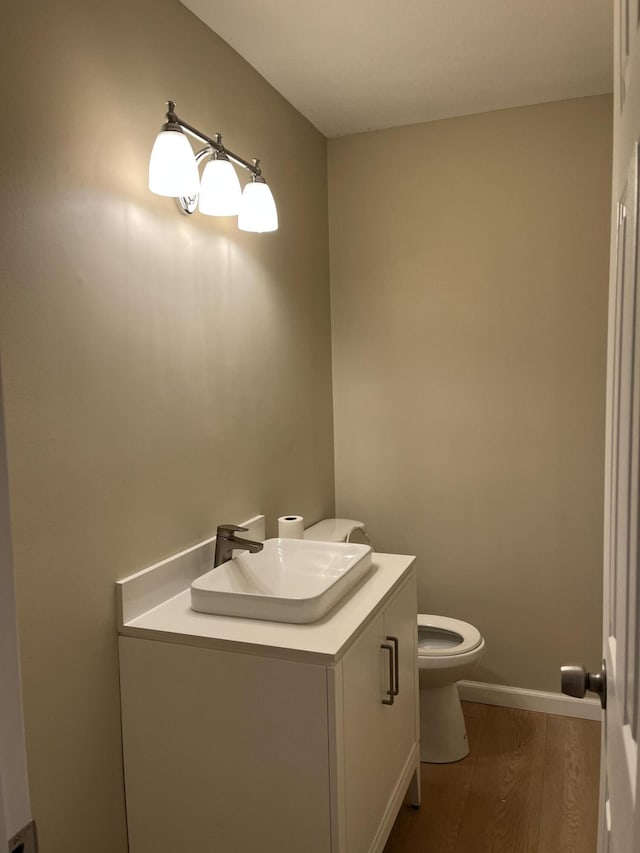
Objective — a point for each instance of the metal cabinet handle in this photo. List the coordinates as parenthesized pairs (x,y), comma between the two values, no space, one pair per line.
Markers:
(390,692)
(396,664)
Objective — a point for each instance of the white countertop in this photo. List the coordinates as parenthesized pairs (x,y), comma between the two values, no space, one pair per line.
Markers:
(322,642)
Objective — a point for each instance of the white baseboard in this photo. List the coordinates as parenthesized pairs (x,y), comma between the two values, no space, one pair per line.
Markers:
(529,700)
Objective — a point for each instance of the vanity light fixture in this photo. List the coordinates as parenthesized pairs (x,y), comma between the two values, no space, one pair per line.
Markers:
(173,171)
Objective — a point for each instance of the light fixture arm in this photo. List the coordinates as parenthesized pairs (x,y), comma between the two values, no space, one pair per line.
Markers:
(215,143)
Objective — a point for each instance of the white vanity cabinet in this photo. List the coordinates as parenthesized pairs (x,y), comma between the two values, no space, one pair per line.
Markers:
(278,742)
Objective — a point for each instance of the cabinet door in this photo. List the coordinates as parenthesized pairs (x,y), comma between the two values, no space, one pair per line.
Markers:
(365,682)
(378,738)
(402,726)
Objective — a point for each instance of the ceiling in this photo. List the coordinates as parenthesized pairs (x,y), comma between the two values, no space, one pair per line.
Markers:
(358,65)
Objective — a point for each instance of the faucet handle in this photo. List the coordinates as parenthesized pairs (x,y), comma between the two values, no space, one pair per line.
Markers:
(230,528)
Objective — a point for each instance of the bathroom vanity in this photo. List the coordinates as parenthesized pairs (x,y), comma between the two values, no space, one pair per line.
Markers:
(243,735)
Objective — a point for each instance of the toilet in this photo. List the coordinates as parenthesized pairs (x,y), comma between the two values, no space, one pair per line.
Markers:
(448,649)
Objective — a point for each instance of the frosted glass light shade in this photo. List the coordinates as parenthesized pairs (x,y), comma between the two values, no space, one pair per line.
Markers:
(220,190)
(172,167)
(258,208)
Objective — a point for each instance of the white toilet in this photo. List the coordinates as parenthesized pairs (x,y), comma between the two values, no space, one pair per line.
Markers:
(448,649)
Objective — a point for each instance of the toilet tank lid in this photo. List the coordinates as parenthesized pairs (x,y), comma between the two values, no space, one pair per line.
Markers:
(333,529)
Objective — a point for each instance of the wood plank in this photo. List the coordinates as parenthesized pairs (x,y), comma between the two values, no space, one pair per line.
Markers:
(529,785)
(434,827)
(502,813)
(570,792)
(474,709)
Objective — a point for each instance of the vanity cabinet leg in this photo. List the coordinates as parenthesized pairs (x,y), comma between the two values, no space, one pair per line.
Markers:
(414,790)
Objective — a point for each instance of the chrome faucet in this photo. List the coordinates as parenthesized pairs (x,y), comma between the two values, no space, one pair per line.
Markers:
(227,542)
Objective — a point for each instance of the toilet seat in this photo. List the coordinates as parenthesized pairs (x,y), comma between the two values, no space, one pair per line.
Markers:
(449,637)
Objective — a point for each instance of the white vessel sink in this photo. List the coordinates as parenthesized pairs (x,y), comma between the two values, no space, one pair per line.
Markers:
(290,580)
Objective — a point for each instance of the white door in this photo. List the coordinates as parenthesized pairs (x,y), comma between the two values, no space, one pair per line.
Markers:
(619,820)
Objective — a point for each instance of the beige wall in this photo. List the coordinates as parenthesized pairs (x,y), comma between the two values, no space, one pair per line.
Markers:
(469,268)
(161,374)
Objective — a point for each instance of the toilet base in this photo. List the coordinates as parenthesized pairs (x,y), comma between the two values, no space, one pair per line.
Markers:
(443,733)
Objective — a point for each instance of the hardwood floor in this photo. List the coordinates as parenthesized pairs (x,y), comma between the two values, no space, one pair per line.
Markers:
(529,785)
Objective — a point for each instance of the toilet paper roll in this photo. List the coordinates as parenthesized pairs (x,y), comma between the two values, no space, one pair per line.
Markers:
(291,527)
